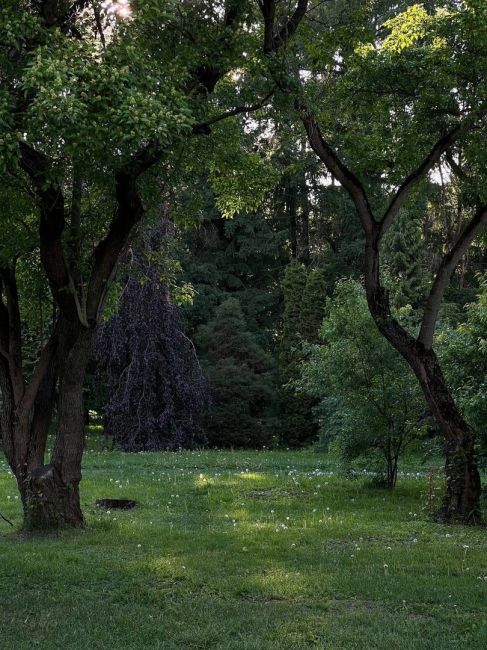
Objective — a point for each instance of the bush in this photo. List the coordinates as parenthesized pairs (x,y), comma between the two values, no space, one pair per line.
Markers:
(369,403)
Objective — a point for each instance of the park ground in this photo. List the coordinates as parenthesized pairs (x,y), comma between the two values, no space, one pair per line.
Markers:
(243,551)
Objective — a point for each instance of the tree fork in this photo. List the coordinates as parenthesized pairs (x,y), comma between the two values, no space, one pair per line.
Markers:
(461,502)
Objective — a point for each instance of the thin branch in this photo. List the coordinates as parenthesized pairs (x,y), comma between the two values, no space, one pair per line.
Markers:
(99,26)
(7,520)
(203,127)
(442,278)
(456,168)
(439,148)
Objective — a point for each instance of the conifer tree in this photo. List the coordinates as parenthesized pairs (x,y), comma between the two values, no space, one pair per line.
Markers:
(242,380)
(404,252)
(293,286)
(304,300)
(313,304)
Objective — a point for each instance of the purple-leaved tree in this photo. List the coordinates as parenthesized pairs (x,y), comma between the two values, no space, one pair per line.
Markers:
(156,387)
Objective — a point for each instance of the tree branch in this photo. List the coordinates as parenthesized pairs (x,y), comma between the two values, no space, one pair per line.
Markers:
(341,172)
(14,349)
(129,211)
(5,519)
(273,41)
(442,278)
(203,127)
(456,168)
(51,229)
(287,31)
(439,148)
(59,14)
(40,371)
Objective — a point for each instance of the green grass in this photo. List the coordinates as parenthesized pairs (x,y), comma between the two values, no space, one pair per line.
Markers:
(241,551)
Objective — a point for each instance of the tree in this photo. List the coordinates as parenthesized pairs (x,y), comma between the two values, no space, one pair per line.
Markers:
(241,376)
(404,253)
(414,95)
(91,99)
(156,388)
(304,300)
(369,405)
(240,257)
(313,304)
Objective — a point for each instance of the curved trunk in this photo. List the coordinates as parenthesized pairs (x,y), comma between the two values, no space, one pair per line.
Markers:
(461,502)
(463,486)
(50,492)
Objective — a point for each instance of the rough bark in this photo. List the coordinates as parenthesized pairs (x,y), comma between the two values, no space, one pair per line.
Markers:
(463,486)
(50,492)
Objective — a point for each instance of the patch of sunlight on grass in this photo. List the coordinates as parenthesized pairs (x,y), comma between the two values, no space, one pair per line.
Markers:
(252,476)
(275,584)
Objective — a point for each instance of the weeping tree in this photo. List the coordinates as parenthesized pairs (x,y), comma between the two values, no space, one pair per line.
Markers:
(155,385)
(92,99)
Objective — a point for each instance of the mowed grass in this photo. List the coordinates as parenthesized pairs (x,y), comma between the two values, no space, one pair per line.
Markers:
(242,551)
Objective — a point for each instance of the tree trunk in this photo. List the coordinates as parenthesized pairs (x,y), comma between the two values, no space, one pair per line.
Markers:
(50,493)
(391,463)
(461,502)
(47,501)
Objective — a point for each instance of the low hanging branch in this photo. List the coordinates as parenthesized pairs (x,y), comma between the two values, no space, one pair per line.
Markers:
(7,520)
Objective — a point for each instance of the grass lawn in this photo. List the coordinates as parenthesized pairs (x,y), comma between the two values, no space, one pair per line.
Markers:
(241,551)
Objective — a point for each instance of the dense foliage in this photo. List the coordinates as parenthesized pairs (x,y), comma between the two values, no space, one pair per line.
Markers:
(304,292)
(370,406)
(464,351)
(242,378)
(156,388)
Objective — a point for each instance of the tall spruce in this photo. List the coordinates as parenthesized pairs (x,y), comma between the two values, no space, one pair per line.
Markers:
(404,252)
(313,304)
(242,380)
(304,292)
